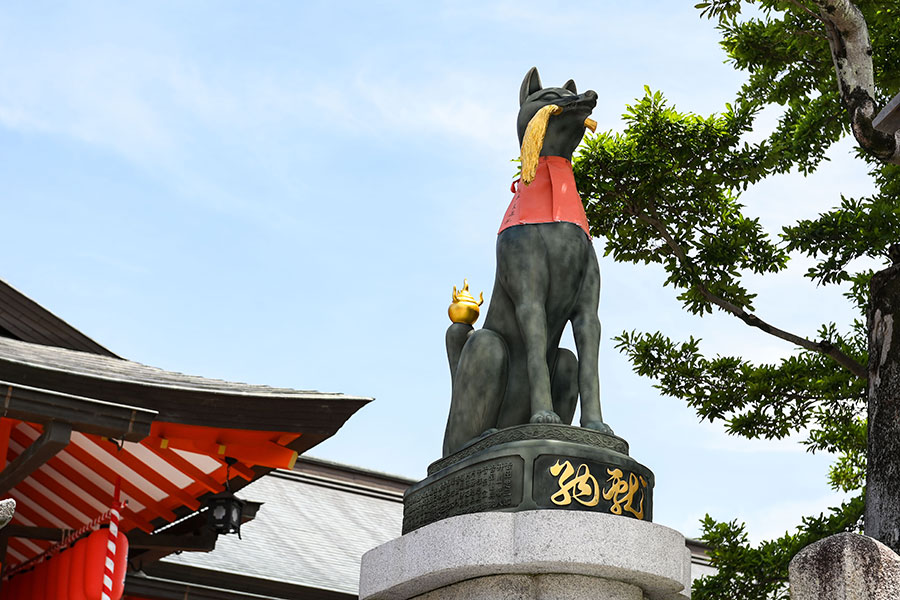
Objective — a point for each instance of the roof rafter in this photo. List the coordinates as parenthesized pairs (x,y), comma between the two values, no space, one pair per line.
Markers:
(124,456)
(185,466)
(81,482)
(30,532)
(128,488)
(55,437)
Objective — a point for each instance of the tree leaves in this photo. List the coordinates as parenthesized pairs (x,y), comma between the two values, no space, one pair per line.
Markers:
(805,392)
(760,573)
(857,228)
(667,190)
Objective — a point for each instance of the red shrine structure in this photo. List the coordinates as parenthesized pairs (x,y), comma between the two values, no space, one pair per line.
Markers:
(108,457)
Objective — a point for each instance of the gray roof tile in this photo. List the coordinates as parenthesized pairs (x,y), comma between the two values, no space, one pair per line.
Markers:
(305,534)
(117,369)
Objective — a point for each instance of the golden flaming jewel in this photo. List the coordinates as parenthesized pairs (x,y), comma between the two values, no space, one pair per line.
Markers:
(464,308)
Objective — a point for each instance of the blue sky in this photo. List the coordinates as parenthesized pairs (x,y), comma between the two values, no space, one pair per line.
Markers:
(286,192)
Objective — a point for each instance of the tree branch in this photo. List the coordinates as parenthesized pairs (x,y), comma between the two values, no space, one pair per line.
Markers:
(823,347)
(813,34)
(806,9)
(851,52)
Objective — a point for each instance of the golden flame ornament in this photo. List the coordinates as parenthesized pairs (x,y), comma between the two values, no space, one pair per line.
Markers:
(464,308)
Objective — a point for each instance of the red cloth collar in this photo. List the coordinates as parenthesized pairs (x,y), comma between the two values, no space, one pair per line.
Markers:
(551,197)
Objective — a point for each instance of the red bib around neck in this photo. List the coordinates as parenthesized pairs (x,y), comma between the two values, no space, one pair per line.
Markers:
(551,197)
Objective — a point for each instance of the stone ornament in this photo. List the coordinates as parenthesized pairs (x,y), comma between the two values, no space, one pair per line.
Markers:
(846,566)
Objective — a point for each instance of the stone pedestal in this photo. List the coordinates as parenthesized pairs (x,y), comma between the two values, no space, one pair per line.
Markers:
(530,555)
(528,467)
(846,566)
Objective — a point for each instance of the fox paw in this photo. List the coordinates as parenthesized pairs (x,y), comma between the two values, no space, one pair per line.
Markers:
(545,416)
(599,426)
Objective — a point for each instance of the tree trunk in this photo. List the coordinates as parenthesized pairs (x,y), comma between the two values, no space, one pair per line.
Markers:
(851,51)
(883,469)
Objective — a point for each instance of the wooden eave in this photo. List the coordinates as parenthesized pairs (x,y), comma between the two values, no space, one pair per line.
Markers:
(177,398)
(87,415)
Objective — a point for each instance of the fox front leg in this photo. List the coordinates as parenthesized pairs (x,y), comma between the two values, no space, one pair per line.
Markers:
(525,276)
(586,329)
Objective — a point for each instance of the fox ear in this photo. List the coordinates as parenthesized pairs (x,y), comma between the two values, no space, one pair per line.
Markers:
(530,84)
(570,85)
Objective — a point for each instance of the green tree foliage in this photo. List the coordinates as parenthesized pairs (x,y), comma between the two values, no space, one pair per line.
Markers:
(667,190)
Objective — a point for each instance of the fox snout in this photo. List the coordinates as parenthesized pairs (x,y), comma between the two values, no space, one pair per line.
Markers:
(587,100)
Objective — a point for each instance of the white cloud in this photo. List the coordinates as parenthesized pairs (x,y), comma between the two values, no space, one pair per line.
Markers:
(17,118)
(95,96)
(442,106)
(148,107)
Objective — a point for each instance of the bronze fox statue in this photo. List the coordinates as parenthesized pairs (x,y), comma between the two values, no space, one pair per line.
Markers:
(512,371)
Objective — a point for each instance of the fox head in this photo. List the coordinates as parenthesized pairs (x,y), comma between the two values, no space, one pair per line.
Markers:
(565,129)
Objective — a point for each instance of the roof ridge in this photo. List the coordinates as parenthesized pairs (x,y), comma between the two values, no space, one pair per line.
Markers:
(91,365)
(29,321)
(337,484)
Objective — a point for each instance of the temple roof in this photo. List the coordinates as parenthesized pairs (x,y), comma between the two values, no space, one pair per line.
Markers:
(80,423)
(177,397)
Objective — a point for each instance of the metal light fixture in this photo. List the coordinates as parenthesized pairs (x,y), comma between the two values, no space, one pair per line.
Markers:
(224,511)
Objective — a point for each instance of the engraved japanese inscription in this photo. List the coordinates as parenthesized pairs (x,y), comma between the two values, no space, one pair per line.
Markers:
(622,493)
(481,487)
(578,485)
(560,483)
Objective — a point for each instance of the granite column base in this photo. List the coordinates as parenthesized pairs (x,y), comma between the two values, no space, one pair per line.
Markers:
(530,555)
(536,587)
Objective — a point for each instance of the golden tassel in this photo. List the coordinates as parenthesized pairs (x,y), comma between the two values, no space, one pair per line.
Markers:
(533,141)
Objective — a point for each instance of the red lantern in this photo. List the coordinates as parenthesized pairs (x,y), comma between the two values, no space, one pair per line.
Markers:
(75,588)
(95,565)
(52,577)
(14,584)
(63,571)
(39,588)
(26,586)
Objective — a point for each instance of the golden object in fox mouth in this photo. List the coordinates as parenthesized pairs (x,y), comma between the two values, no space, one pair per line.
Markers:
(464,308)
(533,141)
(591,124)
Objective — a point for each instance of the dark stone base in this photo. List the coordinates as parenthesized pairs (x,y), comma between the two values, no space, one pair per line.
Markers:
(556,467)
